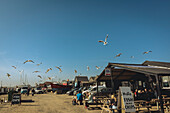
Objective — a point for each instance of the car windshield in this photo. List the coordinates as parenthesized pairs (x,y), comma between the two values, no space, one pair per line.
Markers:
(89,89)
(38,88)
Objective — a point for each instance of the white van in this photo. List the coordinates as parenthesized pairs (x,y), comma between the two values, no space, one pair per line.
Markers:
(24,89)
(93,88)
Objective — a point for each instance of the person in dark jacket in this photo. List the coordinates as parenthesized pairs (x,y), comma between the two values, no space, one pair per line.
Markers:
(33,92)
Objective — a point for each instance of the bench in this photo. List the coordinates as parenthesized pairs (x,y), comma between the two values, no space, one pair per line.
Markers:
(167,105)
(148,107)
(107,109)
(94,103)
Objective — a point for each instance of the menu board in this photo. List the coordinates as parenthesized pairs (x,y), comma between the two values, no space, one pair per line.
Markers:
(16,99)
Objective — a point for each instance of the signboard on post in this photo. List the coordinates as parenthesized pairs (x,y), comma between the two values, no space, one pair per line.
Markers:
(126,100)
(16,99)
(107,71)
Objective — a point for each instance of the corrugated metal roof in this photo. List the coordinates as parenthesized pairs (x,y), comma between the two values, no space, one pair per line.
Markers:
(144,68)
(155,63)
(123,71)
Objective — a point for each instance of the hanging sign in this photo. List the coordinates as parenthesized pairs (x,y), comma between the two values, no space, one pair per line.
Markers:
(107,71)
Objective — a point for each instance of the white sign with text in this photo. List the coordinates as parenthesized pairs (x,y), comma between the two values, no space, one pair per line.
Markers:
(127,99)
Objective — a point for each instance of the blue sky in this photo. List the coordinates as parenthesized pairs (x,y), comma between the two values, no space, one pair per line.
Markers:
(66,32)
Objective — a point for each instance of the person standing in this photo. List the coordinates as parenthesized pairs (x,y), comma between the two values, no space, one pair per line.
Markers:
(28,91)
(79,97)
(33,92)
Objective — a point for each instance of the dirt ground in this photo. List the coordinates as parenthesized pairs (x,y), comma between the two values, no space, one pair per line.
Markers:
(45,103)
(48,103)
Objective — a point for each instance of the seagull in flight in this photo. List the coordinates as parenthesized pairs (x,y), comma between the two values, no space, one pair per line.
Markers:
(36,71)
(39,76)
(58,67)
(14,67)
(132,57)
(104,42)
(118,55)
(75,71)
(8,75)
(88,68)
(28,61)
(39,64)
(146,52)
(48,70)
(97,67)
(49,78)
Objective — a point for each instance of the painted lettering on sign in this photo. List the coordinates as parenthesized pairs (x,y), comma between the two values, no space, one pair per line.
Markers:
(16,99)
(128,99)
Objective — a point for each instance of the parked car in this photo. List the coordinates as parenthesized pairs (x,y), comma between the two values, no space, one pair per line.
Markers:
(38,90)
(71,91)
(93,88)
(76,91)
(24,89)
(103,92)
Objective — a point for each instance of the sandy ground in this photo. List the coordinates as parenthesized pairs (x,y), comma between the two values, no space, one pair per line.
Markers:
(45,103)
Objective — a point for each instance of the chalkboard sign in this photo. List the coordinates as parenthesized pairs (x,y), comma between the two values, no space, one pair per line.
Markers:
(16,99)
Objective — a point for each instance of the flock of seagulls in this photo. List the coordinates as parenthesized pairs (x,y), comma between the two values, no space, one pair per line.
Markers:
(49,69)
(75,71)
(118,55)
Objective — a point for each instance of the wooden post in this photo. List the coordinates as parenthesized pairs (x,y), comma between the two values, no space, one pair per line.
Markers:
(159,93)
(97,88)
(112,83)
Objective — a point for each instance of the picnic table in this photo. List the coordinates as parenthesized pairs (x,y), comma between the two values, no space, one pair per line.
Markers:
(142,104)
(95,102)
(106,106)
(166,102)
(100,97)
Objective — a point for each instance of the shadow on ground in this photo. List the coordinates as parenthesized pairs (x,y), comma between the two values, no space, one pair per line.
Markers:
(27,101)
(3,107)
(94,108)
(30,105)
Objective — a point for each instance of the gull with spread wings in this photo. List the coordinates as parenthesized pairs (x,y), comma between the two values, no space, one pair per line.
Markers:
(14,67)
(88,68)
(28,61)
(75,71)
(39,64)
(97,67)
(118,55)
(39,76)
(58,67)
(36,71)
(104,42)
(48,70)
(8,75)
(146,52)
